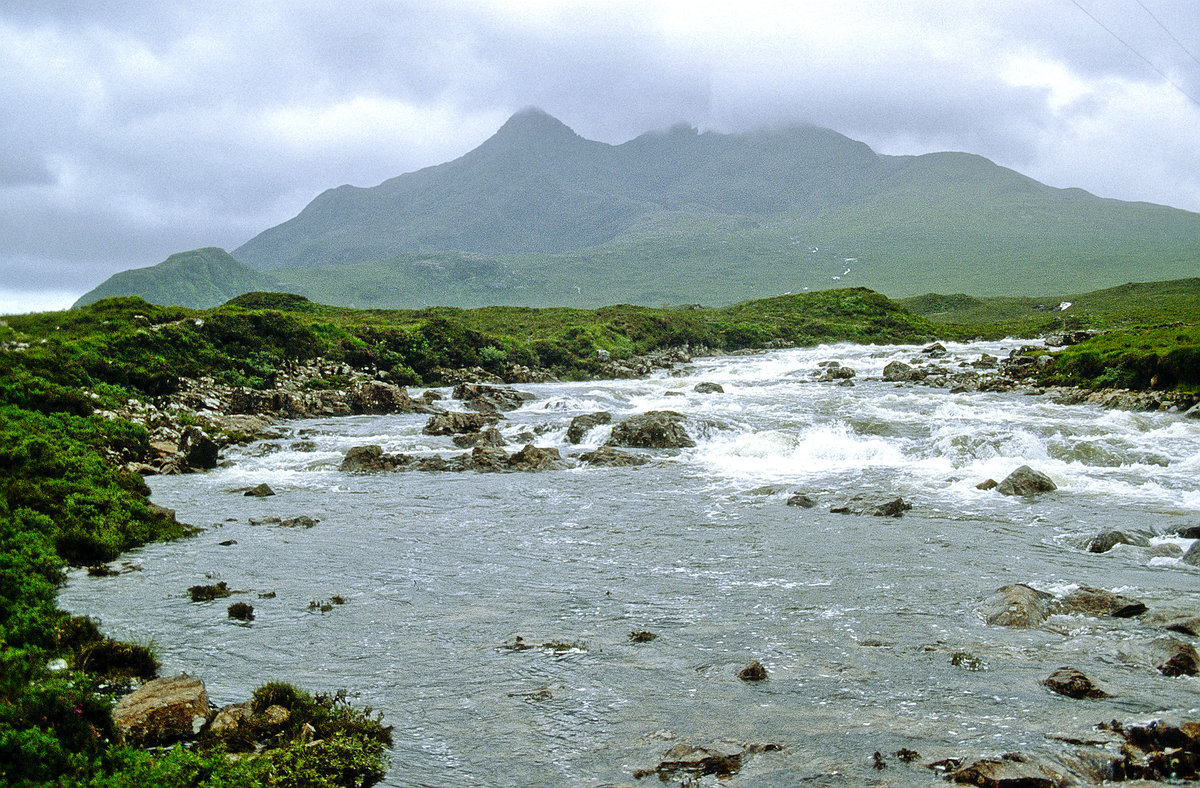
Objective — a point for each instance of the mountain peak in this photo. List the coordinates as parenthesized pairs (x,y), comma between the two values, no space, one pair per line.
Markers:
(533,123)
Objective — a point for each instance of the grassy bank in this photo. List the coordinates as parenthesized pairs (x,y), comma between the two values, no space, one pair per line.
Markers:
(67,501)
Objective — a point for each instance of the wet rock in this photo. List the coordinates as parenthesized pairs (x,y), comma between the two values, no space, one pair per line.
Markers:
(801,500)
(457,423)
(1174,657)
(377,397)
(1185,622)
(837,373)
(1192,556)
(987,484)
(1025,481)
(1192,412)
(658,429)
(269,520)
(582,424)
(753,672)
(303,521)
(696,762)
(936,350)
(607,456)
(489,459)
(532,458)
(259,491)
(873,505)
(198,450)
(1011,770)
(489,437)
(1016,605)
(1073,684)
(1185,531)
(489,399)
(371,459)
(642,636)
(439,464)
(1108,539)
(708,388)
(898,371)
(1097,602)
(1164,550)
(163,711)
(227,543)
(1158,751)
(303,446)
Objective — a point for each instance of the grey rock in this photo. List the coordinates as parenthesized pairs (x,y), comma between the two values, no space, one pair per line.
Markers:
(1072,683)
(371,459)
(987,484)
(1108,539)
(1192,556)
(487,459)
(658,429)
(489,399)
(303,521)
(1016,605)
(873,505)
(582,424)
(708,388)
(259,491)
(457,423)
(898,371)
(489,437)
(1012,770)
(607,456)
(1097,602)
(936,350)
(533,458)
(801,500)
(1025,481)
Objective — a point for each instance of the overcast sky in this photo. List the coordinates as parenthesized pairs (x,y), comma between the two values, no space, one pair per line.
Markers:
(131,130)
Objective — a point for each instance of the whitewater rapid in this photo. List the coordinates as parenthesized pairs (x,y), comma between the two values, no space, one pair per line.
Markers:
(855,618)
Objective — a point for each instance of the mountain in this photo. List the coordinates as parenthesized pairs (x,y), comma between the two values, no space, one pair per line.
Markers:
(200,278)
(539,216)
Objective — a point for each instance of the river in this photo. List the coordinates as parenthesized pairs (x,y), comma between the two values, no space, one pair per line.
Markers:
(856,618)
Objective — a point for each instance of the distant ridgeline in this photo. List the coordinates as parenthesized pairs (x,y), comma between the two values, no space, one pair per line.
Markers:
(539,216)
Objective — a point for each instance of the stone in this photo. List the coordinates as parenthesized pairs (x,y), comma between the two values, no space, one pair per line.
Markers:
(753,672)
(198,450)
(259,491)
(698,761)
(162,711)
(936,350)
(489,399)
(1025,481)
(487,459)
(837,373)
(532,458)
(1072,683)
(377,397)
(274,716)
(801,500)
(457,422)
(877,506)
(489,437)
(987,484)
(1192,412)
(1185,531)
(1173,657)
(607,456)
(1011,770)
(1016,605)
(706,387)
(1108,539)
(371,459)
(229,718)
(1192,556)
(898,371)
(1097,602)
(657,429)
(303,521)
(582,424)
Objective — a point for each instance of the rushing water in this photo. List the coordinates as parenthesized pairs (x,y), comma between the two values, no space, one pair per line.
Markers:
(856,618)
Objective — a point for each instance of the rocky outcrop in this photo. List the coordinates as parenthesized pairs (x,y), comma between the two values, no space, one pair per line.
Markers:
(658,429)
(874,505)
(1016,605)
(582,424)
(898,371)
(489,399)
(1025,481)
(1108,539)
(457,423)
(163,711)
(372,459)
(1012,770)
(607,456)
(197,449)
(1096,602)
(688,761)
(489,437)
(1072,683)
(532,458)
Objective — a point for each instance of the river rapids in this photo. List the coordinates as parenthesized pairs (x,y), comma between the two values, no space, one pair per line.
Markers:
(857,619)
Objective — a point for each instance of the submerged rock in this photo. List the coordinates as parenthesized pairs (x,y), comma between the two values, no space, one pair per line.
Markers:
(658,429)
(708,388)
(609,457)
(1110,538)
(1192,556)
(458,422)
(875,506)
(1011,770)
(801,500)
(1025,481)
(489,437)
(259,491)
(1072,683)
(1097,602)
(163,711)
(700,761)
(582,424)
(987,484)
(1016,605)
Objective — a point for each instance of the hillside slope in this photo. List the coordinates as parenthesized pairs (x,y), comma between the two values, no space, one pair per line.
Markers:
(200,279)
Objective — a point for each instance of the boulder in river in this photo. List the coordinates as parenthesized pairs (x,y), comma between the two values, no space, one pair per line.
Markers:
(371,459)
(877,506)
(801,500)
(706,387)
(1011,770)
(698,762)
(259,491)
(1016,605)
(1073,683)
(1173,657)
(898,371)
(582,424)
(1097,602)
(458,422)
(488,459)
(533,458)
(489,437)
(753,672)
(489,399)
(657,429)
(1111,537)
(198,450)
(936,350)
(1192,556)
(607,456)
(1025,481)
(163,711)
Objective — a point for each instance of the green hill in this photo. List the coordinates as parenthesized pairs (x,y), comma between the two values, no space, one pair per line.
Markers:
(539,216)
(200,279)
